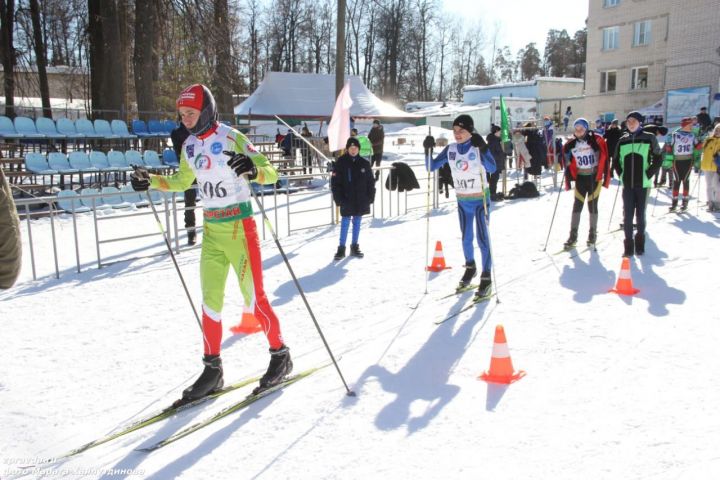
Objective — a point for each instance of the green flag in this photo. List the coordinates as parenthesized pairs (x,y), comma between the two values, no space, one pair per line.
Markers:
(504,122)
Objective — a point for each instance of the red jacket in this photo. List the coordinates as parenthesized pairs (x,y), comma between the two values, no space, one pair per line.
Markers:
(599,147)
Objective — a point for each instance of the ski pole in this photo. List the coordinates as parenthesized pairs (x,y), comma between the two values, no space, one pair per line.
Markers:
(552,220)
(349,392)
(428,160)
(657,190)
(614,202)
(487,226)
(697,210)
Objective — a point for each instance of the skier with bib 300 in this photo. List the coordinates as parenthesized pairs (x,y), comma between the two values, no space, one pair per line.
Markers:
(224,163)
(470,161)
(586,158)
(684,146)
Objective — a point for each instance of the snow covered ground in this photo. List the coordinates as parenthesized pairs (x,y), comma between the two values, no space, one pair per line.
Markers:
(616,387)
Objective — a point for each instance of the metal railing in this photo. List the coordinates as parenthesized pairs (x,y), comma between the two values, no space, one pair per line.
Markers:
(295,217)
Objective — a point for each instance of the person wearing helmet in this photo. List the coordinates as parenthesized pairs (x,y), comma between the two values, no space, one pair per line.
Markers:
(224,162)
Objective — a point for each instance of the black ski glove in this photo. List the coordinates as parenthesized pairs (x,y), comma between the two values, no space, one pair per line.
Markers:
(478,142)
(429,142)
(140,179)
(241,164)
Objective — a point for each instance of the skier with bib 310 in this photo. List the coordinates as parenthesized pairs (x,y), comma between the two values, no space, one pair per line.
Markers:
(684,146)
(470,161)
(224,163)
(586,158)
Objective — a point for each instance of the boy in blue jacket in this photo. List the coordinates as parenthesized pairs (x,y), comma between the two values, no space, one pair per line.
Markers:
(470,162)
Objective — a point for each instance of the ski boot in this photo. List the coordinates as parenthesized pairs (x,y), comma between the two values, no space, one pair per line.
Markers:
(685,203)
(470,273)
(280,366)
(192,237)
(592,238)
(629,247)
(572,240)
(210,380)
(673,205)
(485,288)
(639,243)
(355,251)
(340,254)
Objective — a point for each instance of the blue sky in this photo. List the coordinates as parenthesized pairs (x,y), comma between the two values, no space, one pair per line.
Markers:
(521,21)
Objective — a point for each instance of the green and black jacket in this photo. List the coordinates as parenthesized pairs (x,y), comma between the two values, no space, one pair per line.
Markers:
(637,158)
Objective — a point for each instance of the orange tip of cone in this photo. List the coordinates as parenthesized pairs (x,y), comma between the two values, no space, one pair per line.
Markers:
(248,324)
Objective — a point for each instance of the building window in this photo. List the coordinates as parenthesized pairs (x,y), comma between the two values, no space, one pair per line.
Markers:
(639,78)
(608,81)
(610,38)
(641,33)
(610,3)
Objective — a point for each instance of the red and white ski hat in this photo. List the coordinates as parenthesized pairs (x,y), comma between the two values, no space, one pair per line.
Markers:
(192,97)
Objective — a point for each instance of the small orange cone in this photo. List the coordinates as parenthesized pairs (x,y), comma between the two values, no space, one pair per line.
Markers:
(624,284)
(438,261)
(248,324)
(501,367)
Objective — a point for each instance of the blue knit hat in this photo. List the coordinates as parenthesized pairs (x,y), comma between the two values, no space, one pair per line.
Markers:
(582,122)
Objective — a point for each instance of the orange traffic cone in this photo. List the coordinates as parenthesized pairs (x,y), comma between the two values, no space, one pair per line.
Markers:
(438,261)
(501,367)
(248,324)
(624,284)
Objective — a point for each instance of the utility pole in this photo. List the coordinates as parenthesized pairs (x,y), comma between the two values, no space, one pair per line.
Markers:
(340,48)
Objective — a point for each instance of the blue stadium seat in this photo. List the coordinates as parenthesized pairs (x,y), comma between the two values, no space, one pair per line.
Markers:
(102,128)
(26,127)
(133,157)
(169,158)
(58,161)
(37,163)
(115,201)
(170,125)
(140,129)
(81,161)
(46,126)
(120,129)
(7,128)
(157,128)
(88,202)
(66,127)
(99,160)
(85,127)
(69,201)
(131,196)
(117,160)
(152,159)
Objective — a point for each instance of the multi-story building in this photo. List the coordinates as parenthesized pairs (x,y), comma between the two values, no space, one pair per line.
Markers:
(638,50)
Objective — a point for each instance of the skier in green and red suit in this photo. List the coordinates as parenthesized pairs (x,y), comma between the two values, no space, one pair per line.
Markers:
(224,162)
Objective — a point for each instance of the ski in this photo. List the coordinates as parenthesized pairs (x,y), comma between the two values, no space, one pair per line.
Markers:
(156,417)
(474,303)
(246,402)
(458,291)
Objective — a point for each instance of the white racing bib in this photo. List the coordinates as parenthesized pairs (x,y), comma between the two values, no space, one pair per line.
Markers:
(468,172)
(217,183)
(683,143)
(584,157)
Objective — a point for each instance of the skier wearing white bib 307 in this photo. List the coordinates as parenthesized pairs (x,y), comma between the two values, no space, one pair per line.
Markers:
(470,163)
(224,163)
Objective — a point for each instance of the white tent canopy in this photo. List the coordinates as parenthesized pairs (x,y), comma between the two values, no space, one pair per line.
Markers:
(309,95)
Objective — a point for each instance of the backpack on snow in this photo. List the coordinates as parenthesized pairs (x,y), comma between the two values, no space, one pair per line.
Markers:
(526,190)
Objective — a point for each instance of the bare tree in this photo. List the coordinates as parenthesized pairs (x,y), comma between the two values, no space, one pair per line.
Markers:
(144,57)
(7,51)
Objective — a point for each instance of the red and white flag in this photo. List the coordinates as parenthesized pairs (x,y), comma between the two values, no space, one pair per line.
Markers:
(339,127)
